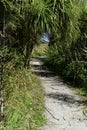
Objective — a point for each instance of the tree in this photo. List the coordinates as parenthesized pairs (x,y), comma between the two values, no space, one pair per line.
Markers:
(39,17)
(68,44)
(2,44)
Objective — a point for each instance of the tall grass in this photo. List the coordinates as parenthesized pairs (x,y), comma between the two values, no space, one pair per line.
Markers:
(23,101)
(40,50)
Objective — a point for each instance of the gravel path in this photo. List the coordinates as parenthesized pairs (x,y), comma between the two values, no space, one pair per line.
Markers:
(65,110)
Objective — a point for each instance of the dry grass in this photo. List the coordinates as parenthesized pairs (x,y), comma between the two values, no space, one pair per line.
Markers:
(23,101)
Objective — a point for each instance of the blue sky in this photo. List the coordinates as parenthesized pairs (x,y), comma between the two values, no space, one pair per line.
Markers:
(45,38)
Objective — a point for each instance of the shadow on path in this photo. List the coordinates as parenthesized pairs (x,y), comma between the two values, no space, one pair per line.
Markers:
(42,71)
(65,110)
(68,99)
(39,69)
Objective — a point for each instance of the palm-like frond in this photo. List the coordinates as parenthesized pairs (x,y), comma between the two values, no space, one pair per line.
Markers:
(41,16)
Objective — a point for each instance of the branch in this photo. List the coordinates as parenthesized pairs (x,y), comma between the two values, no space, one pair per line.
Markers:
(51,114)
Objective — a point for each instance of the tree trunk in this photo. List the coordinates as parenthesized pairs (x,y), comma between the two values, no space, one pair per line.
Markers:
(29,48)
(2,72)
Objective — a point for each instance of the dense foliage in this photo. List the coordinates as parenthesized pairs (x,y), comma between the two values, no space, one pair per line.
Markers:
(21,26)
(22,23)
(68,45)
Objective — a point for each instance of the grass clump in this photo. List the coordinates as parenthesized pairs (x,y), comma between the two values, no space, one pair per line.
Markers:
(81,91)
(40,50)
(23,101)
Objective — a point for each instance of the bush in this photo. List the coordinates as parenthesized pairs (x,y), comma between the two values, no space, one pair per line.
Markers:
(77,72)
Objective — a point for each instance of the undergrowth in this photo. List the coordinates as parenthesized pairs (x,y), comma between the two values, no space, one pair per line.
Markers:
(40,50)
(74,72)
(23,101)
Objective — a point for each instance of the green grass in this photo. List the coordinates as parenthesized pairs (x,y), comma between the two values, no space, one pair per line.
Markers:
(24,104)
(40,50)
(82,91)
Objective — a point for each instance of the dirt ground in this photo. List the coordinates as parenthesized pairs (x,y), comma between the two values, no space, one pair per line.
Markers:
(65,109)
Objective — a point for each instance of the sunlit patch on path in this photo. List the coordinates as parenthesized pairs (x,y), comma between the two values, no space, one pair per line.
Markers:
(65,110)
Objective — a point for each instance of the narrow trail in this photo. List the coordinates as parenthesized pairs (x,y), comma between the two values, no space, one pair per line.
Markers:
(65,110)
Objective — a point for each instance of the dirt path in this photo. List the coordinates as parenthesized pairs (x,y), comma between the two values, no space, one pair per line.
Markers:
(64,108)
